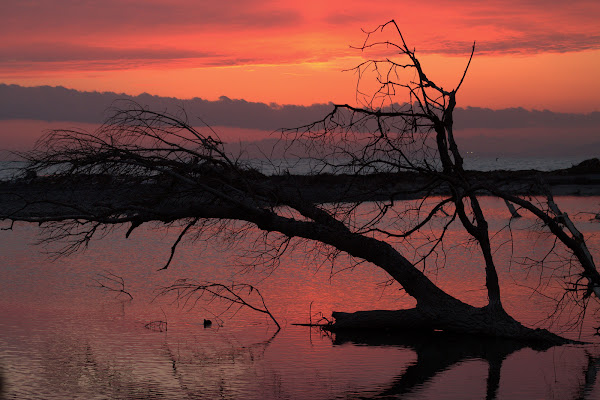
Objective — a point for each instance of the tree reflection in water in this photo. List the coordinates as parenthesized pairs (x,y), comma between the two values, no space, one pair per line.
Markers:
(438,352)
(254,364)
(1,383)
(215,374)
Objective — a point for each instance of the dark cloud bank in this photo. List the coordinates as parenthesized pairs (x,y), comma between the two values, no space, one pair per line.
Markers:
(60,104)
(509,131)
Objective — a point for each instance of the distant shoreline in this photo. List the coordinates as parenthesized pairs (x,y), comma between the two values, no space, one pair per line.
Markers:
(45,197)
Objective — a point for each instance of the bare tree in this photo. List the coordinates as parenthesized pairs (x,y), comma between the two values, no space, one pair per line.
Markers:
(406,124)
(144,166)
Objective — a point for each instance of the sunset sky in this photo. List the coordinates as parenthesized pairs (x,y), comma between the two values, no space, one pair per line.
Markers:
(535,54)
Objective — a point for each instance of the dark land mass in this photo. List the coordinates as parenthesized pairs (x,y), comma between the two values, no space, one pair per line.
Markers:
(580,180)
(33,196)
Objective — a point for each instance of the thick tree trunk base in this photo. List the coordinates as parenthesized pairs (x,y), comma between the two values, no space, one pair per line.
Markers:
(467,320)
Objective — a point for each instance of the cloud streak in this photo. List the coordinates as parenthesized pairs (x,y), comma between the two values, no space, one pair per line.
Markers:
(60,104)
(267,50)
(64,52)
(278,32)
(118,18)
(26,111)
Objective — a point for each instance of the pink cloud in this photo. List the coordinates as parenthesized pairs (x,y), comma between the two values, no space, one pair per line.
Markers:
(146,45)
(246,29)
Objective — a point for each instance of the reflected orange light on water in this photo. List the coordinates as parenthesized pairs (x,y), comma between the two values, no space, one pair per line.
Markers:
(63,337)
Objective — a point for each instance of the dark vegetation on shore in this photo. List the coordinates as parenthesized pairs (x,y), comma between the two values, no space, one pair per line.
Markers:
(582,179)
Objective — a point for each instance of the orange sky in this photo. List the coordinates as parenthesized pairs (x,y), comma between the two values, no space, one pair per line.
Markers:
(537,54)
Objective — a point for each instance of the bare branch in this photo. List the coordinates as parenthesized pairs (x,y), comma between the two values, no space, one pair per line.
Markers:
(112,283)
(235,294)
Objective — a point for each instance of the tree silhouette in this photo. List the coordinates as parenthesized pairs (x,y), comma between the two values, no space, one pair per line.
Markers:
(146,166)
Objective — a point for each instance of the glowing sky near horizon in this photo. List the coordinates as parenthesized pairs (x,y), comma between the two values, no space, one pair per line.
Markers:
(534,54)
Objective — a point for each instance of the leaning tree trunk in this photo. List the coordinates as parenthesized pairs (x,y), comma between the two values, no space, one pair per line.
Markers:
(435,309)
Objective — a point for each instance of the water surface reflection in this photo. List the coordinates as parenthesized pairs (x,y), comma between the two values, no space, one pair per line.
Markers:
(85,356)
(61,338)
(439,353)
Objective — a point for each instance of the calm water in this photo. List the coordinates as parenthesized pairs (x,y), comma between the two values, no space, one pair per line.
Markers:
(61,337)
